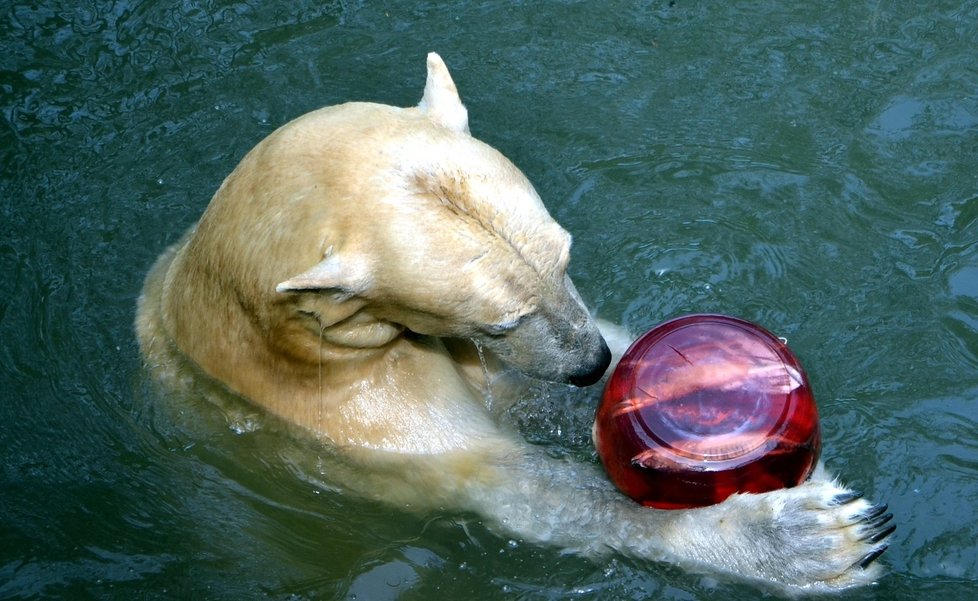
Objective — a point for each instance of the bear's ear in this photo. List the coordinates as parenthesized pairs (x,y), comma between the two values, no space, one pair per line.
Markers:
(346,279)
(441,102)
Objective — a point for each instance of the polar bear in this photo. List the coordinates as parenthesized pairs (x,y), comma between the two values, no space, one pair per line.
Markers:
(373,274)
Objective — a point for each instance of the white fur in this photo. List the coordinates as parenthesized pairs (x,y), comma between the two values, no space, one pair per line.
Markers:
(365,273)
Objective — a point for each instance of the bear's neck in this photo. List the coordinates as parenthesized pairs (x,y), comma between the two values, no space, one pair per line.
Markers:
(329,383)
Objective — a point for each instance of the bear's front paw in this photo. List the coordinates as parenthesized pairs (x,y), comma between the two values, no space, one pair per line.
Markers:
(815,535)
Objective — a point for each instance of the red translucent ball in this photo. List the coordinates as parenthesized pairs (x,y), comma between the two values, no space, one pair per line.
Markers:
(705,406)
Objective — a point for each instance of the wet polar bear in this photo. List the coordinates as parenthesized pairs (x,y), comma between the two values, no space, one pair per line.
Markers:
(368,272)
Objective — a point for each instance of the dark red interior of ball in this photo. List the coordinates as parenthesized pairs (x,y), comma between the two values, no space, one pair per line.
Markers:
(705,406)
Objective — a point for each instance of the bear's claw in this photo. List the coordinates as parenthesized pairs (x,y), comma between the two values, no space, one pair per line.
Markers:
(875,521)
(872,556)
(845,498)
(874,512)
(882,533)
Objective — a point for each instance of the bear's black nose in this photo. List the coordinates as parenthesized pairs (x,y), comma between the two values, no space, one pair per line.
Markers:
(589,374)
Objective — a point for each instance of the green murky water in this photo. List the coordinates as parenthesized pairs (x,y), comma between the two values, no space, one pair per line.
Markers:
(813,168)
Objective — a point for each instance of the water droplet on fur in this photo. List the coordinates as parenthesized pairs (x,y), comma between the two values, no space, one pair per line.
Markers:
(485,373)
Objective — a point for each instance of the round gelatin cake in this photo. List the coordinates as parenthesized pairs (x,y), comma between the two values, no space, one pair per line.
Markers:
(705,406)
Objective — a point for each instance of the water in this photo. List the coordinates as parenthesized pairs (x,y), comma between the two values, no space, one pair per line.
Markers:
(810,167)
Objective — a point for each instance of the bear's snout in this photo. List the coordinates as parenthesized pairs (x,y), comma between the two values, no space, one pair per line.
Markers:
(590,373)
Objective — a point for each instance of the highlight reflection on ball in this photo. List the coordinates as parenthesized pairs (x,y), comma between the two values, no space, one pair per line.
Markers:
(705,406)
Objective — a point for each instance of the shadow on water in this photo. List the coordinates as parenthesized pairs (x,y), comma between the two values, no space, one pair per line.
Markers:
(809,167)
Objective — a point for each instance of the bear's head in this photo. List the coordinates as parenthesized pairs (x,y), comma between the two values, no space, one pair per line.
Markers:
(366,222)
